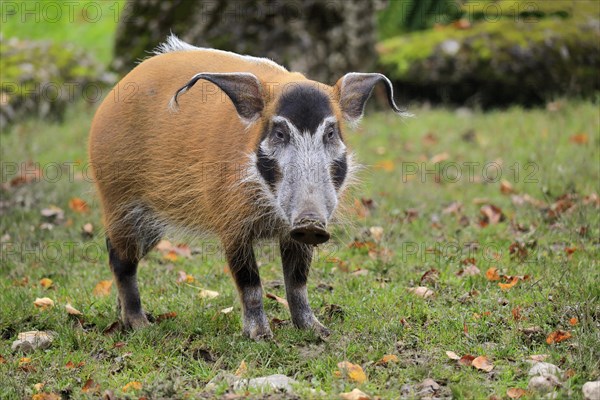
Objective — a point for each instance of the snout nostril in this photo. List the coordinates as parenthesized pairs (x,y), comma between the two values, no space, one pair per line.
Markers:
(310,234)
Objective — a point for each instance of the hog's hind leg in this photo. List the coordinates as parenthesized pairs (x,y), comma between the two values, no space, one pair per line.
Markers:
(129,304)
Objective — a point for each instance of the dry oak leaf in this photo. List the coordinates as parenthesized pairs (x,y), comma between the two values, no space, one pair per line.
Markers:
(512,282)
(183,277)
(102,288)
(43,303)
(466,360)
(46,283)
(46,396)
(242,369)
(516,393)
(207,294)
(72,310)
(353,371)
(421,291)
(165,316)
(482,363)
(492,274)
(170,256)
(90,386)
(491,214)
(87,229)
(557,337)
(506,187)
(386,165)
(278,299)
(376,233)
(452,355)
(579,138)
(134,385)
(388,358)
(539,357)
(78,205)
(355,394)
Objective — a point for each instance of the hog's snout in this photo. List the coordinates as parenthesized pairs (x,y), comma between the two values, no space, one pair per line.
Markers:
(309,229)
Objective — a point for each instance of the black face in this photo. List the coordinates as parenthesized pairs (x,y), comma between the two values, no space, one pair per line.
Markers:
(305,106)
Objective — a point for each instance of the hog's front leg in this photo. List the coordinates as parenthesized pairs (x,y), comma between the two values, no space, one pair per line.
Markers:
(242,264)
(296,258)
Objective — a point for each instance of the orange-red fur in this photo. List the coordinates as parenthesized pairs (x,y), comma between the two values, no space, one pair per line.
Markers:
(144,153)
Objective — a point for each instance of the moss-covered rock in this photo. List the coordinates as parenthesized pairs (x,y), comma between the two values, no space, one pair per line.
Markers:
(524,58)
(41,77)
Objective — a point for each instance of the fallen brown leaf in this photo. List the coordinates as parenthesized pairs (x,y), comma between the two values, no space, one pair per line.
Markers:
(516,393)
(90,386)
(87,229)
(516,313)
(71,310)
(131,386)
(376,233)
(430,276)
(388,358)
(183,277)
(207,294)
(507,286)
(506,187)
(421,291)
(492,274)
(355,394)
(43,303)
(46,396)
(102,288)
(539,357)
(452,355)
(242,369)
(353,371)
(579,138)
(558,336)
(482,363)
(491,215)
(78,205)
(466,360)
(573,321)
(386,165)
(278,299)
(165,316)
(46,283)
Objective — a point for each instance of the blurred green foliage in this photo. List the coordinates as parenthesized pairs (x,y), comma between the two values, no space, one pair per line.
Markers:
(501,52)
(401,16)
(87,24)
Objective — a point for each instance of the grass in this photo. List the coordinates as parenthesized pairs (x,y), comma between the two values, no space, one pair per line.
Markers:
(89,24)
(534,150)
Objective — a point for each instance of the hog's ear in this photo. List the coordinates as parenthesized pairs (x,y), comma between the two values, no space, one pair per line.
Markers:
(354,90)
(243,88)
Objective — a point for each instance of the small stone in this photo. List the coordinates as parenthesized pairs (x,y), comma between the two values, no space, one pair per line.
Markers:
(431,384)
(544,368)
(591,390)
(30,341)
(278,382)
(543,384)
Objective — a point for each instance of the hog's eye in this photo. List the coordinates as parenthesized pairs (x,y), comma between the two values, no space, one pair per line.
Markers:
(330,133)
(279,134)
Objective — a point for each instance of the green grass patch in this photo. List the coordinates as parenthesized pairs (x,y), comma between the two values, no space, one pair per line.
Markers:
(405,193)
